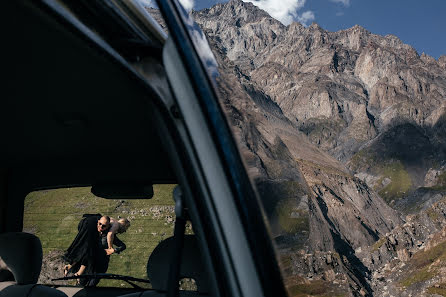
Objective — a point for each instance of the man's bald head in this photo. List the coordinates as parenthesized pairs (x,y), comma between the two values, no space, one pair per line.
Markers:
(103,223)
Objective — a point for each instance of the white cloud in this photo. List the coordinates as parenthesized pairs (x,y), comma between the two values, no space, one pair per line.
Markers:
(306,18)
(187,4)
(285,11)
(345,2)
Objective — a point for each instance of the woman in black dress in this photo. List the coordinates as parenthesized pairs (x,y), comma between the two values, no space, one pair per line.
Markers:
(86,254)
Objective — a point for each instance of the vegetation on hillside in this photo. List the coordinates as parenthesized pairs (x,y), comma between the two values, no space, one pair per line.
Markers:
(399,181)
(393,180)
(292,219)
(426,265)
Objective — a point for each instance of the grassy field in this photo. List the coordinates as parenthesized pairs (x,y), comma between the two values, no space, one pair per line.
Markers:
(400,181)
(53,216)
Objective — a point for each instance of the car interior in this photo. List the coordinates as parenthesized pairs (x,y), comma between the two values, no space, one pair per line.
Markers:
(75,113)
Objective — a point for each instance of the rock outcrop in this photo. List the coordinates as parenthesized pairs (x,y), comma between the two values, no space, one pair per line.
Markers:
(409,261)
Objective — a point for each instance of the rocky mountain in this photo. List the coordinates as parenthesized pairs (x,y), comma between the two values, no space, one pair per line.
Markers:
(342,89)
(343,133)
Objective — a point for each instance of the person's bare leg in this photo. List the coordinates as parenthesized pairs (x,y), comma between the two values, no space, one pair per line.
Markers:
(66,268)
(81,270)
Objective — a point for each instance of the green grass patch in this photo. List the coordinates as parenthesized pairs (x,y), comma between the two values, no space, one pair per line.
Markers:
(418,277)
(433,215)
(421,263)
(53,216)
(291,219)
(323,167)
(285,261)
(441,182)
(315,288)
(400,181)
(378,244)
(439,289)
(321,131)
(425,258)
(362,160)
(286,264)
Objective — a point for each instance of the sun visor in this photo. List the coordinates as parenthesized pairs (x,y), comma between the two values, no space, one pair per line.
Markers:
(122,190)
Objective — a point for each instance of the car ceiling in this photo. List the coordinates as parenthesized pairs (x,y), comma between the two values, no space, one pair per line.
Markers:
(70,113)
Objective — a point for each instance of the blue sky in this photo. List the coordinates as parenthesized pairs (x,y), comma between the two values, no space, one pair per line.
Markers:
(421,24)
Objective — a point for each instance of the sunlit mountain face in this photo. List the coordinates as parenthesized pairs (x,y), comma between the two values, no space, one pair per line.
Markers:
(344,134)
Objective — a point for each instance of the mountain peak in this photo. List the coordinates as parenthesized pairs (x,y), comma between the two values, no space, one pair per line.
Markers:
(315,27)
(234,12)
(296,27)
(247,10)
(356,29)
(427,59)
(236,2)
(442,61)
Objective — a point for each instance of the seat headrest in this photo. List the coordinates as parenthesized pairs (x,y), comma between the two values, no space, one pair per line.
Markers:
(191,264)
(22,254)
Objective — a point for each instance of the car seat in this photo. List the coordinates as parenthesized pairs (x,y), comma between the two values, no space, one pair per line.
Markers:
(22,255)
(192,267)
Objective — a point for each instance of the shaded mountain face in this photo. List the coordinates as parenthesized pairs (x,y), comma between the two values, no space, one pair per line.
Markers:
(334,127)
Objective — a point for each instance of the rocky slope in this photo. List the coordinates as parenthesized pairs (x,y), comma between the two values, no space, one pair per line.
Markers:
(301,188)
(411,260)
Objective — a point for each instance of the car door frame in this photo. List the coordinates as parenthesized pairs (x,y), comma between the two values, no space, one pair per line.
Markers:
(241,239)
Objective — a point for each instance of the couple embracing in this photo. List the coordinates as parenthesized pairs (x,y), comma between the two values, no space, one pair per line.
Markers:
(90,251)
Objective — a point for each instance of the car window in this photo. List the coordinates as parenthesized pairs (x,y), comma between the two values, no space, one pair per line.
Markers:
(344,142)
(54,215)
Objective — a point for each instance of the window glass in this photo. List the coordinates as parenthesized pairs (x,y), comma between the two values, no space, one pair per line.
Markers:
(343,135)
(54,215)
